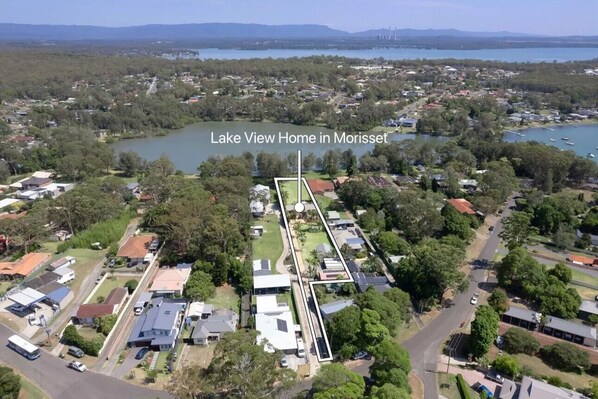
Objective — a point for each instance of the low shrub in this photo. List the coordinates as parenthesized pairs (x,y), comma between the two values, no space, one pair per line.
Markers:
(463,387)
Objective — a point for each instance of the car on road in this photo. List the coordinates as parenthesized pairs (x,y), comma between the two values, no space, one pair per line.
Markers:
(284,362)
(361,355)
(596,297)
(141,353)
(18,308)
(77,366)
(474,300)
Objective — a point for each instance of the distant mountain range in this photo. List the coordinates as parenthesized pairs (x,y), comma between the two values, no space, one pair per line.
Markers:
(23,32)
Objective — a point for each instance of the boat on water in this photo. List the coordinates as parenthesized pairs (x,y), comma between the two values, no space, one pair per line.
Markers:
(548,128)
(570,143)
(590,155)
(553,140)
(564,138)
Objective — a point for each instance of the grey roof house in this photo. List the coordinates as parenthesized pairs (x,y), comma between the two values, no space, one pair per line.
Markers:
(534,389)
(329,309)
(158,328)
(219,323)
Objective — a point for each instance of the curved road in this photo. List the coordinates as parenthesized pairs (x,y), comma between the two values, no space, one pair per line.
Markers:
(424,346)
(60,382)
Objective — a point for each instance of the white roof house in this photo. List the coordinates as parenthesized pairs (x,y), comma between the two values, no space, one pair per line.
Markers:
(272,281)
(269,304)
(8,202)
(278,330)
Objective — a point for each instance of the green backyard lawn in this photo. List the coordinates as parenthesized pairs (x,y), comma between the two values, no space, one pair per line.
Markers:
(109,284)
(269,245)
(291,189)
(312,240)
(226,298)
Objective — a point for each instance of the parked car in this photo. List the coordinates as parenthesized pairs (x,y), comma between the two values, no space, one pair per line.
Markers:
(284,362)
(300,348)
(18,308)
(112,262)
(77,366)
(141,353)
(491,230)
(474,300)
(137,311)
(76,352)
(482,389)
(360,355)
(494,376)
(500,341)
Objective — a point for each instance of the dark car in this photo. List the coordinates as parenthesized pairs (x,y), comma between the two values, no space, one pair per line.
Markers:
(141,353)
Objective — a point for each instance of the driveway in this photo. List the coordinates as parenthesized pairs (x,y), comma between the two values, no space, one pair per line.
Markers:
(60,382)
(128,364)
(423,348)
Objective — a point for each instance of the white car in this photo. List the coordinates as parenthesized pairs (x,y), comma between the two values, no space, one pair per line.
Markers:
(77,366)
(474,300)
(284,362)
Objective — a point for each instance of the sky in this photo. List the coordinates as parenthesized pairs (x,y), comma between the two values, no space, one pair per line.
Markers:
(545,17)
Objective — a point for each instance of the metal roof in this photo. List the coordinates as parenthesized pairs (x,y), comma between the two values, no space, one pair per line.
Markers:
(272,281)
(523,314)
(571,327)
(27,297)
(589,307)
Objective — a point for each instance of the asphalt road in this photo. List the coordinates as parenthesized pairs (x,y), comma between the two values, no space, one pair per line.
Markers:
(60,382)
(424,346)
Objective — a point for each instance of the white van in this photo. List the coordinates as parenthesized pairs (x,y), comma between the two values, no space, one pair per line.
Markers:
(300,348)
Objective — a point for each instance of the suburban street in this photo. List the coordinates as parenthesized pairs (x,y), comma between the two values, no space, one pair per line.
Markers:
(60,382)
(424,346)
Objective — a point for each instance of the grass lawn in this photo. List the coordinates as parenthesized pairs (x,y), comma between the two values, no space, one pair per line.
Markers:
(226,298)
(200,355)
(269,245)
(109,284)
(584,292)
(288,298)
(4,286)
(312,174)
(291,188)
(87,332)
(541,369)
(324,202)
(447,386)
(312,240)
(161,364)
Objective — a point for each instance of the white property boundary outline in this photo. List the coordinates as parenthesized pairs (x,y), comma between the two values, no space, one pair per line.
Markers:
(298,273)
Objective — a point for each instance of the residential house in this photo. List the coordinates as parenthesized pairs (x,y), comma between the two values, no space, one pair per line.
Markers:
(159,327)
(328,310)
(350,238)
(41,280)
(169,282)
(378,181)
(271,284)
(256,231)
(260,197)
(257,208)
(62,262)
(214,327)
(198,311)
(35,182)
(261,267)
(10,202)
(534,389)
(462,206)
(112,303)
(333,215)
(23,267)
(136,250)
(366,280)
(341,224)
(323,249)
(275,326)
(143,300)
(319,186)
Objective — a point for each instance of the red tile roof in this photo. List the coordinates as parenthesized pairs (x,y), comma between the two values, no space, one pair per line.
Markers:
(116,296)
(94,310)
(320,186)
(462,205)
(135,247)
(24,266)
(580,259)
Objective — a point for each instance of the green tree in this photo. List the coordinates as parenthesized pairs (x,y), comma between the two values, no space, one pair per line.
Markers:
(561,272)
(10,383)
(456,223)
(558,300)
(389,391)
(130,163)
(240,369)
(518,340)
(392,244)
(131,285)
(200,286)
(336,381)
(484,329)
(506,365)
(565,356)
(372,329)
(107,323)
(518,229)
(499,301)
(345,338)
(432,270)
(391,364)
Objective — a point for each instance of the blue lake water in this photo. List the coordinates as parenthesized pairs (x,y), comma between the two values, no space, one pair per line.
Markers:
(190,146)
(507,55)
(585,138)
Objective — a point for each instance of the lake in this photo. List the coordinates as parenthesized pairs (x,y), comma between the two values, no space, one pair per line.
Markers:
(190,146)
(585,137)
(559,54)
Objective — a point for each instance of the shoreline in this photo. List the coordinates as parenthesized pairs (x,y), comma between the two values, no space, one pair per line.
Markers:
(547,126)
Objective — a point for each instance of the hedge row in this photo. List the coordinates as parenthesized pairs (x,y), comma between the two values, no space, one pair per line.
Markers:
(106,233)
(90,347)
(463,387)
